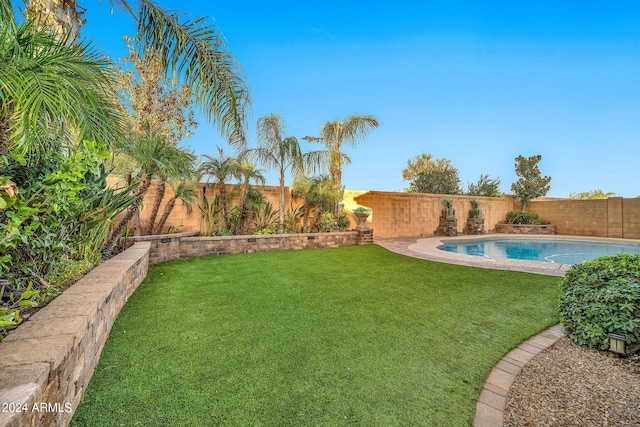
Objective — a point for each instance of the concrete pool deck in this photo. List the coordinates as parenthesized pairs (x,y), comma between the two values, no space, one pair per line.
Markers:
(427,248)
(493,398)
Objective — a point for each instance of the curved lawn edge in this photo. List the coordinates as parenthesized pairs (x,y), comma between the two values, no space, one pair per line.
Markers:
(47,363)
(493,398)
(367,309)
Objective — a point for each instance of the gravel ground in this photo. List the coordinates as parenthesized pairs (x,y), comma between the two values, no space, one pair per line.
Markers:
(571,385)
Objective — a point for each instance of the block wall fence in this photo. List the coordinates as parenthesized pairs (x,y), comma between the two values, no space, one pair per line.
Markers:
(398,214)
(47,362)
(413,214)
(613,217)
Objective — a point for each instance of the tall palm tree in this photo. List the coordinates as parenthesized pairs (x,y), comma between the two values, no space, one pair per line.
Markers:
(183,191)
(52,94)
(283,153)
(246,172)
(193,50)
(333,135)
(153,154)
(221,169)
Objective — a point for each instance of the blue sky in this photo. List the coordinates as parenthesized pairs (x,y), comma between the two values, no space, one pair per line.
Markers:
(478,83)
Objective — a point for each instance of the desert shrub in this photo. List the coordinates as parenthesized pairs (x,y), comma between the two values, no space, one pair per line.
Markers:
(327,222)
(343,221)
(521,217)
(601,297)
(266,230)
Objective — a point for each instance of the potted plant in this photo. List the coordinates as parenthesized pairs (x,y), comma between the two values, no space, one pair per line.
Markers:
(448,212)
(361,213)
(475,211)
(475,222)
(448,223)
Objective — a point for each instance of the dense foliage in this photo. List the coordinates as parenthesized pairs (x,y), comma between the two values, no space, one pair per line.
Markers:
(600,297)
(592,195)
(521,217)
(429,175)
(56,228)
(486,186)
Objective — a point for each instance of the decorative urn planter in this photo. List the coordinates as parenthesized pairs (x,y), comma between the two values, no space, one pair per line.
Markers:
(361,218)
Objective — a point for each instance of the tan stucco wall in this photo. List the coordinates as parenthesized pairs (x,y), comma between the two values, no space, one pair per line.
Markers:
(613,217)
(411,214)
(397,214)
(179,217)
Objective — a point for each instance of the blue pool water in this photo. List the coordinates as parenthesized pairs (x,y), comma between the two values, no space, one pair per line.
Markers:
(560,251)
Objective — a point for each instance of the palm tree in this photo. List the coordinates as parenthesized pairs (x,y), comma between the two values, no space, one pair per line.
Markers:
(183,191)
(350,131)
(179,168)
(52,94)
(301,187)
(193,50)
(283,153)
(152,154)
(247,173)
(220,168)
(318,194)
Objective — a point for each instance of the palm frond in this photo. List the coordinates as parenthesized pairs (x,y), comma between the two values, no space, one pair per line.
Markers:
(196,51)
(52,90)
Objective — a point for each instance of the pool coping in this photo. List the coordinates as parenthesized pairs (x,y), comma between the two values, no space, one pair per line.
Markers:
(427,248)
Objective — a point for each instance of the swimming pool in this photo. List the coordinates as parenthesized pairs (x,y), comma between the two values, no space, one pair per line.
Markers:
(544,250)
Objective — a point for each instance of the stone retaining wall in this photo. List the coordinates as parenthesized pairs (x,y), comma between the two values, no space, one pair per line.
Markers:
(166,247)
(46,364)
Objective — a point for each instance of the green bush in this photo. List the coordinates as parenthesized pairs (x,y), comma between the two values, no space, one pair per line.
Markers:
(521,217)
(601,297)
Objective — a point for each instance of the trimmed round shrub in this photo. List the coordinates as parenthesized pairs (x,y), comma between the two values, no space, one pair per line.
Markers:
(601,297)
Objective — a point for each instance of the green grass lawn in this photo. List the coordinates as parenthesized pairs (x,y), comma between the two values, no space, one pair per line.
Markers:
(355,335)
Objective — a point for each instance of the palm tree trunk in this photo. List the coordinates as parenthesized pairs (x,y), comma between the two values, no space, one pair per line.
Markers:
(168,208)
(222,190)
(63,15)
(242,220)
(305,215)
(281,209)
(156,207)
(107,249)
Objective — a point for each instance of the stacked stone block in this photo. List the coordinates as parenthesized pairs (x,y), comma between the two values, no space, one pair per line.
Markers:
(46,364)
(525,229)
(448,227)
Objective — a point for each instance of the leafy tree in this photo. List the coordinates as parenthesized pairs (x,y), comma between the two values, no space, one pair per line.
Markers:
(283,153)
(531,183)
(191,50)
(333,135)
(429,175)
(592,195)
(485,187)
(152,100)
